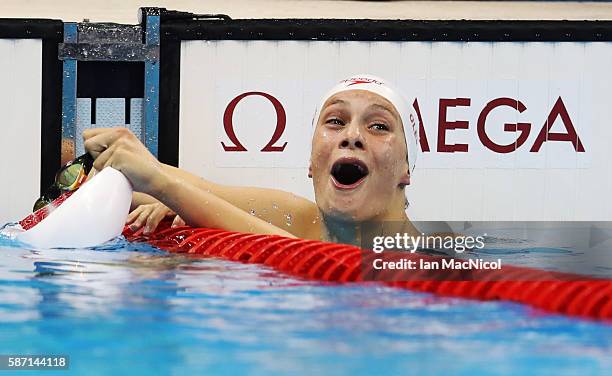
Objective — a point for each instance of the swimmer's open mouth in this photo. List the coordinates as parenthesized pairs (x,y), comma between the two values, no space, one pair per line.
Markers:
(349,173)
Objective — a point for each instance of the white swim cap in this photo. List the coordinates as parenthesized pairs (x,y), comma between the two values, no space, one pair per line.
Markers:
(381,87)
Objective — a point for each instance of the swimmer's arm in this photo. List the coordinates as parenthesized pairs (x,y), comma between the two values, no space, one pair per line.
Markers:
(139,198)
(285,210)
(200,208)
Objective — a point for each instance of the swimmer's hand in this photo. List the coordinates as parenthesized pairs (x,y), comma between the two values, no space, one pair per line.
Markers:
(122,150)
(149,216)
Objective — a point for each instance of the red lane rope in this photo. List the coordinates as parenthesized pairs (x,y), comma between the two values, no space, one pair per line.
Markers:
(555,292)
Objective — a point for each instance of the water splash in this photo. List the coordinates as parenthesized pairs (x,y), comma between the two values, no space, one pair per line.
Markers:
(8,234)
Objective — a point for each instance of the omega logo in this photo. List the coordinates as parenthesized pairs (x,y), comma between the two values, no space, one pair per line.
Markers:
(228,124)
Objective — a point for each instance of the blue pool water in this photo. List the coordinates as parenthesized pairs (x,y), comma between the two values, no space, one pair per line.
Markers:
(131,309)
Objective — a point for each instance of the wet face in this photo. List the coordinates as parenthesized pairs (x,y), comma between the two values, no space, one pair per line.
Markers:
(358,161)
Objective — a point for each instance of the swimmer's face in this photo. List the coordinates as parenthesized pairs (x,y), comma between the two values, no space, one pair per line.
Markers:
(358,161)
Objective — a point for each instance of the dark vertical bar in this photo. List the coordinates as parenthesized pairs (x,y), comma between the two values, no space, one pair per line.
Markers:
(169,92)
(128,111)
(51,110)
(93,110)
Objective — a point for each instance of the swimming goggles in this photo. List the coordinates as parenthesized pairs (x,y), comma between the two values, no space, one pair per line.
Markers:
(67,179)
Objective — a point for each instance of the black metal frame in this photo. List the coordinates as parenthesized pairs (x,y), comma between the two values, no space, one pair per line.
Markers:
(387,30)
(169,101)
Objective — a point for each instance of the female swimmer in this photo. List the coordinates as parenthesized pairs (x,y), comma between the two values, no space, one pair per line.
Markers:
(364,150)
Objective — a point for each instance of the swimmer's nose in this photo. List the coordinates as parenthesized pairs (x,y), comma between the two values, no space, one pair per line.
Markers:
(352,139)
(351,145)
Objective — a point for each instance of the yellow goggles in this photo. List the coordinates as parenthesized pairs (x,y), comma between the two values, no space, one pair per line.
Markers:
(67,179)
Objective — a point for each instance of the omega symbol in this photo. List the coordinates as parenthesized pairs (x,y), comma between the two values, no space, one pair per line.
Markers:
(228,125)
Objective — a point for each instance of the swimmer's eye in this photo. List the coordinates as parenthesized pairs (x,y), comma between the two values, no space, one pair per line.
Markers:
(334,121)
(379,127)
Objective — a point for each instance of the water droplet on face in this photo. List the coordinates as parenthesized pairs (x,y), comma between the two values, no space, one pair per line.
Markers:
(274,206)
(252,211)
(288,217)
